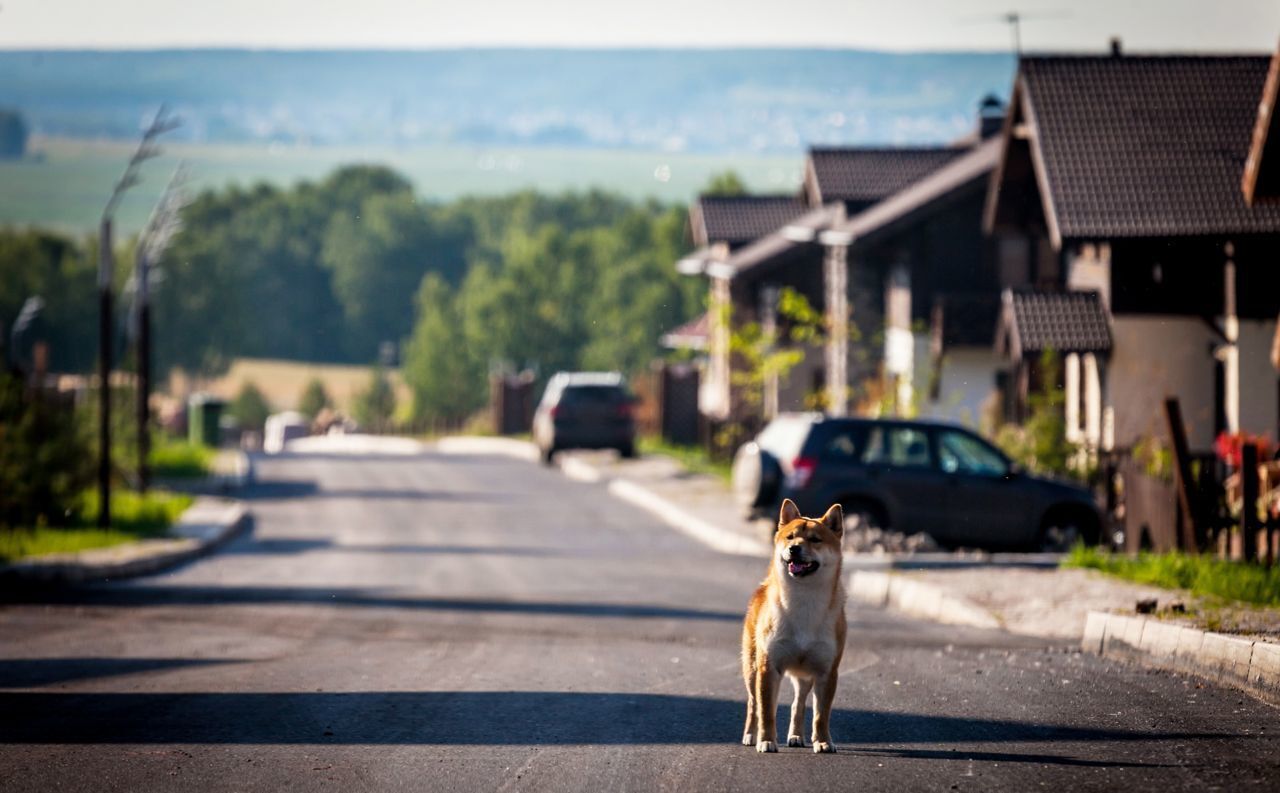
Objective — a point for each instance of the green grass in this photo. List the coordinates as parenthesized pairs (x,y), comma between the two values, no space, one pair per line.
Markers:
(180,459)
(693,458)
(1202,575)
(133,517)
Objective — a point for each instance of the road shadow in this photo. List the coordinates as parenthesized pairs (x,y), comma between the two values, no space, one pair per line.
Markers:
(489,718)
(143,595)
(294,489)
(36,672)
(283,546)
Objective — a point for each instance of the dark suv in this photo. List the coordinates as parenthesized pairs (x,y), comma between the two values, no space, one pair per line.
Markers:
(585,410)
(911,476)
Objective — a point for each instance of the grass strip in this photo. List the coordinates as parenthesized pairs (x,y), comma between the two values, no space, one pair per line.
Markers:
(1201,575)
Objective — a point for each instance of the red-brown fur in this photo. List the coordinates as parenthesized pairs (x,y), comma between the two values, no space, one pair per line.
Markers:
(795,626)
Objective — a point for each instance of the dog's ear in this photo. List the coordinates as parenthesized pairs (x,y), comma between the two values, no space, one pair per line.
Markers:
(789,512)
(834,519)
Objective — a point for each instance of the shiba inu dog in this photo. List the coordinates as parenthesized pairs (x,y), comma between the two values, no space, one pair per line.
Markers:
(795,626)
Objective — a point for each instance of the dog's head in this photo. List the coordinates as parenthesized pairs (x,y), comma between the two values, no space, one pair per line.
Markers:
(806,545)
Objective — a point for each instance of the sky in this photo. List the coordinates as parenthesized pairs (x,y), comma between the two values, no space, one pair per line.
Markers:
(1144,25)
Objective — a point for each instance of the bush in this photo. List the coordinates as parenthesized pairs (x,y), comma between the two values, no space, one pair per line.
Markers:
(314,399)
(375,405)
(250,408)
(46,458)
(179,459)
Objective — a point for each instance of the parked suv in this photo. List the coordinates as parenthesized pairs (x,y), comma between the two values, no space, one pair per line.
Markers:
(585,410)
(911,476)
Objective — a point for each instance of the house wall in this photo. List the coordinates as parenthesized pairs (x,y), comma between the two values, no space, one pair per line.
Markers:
(1155,356)
(967,380)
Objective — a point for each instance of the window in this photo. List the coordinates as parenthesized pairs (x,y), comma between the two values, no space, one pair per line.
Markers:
(845,445)
(898,446)
(961,453)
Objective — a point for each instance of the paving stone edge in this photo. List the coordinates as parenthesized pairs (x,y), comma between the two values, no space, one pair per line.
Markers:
(918,599)
(1252,665)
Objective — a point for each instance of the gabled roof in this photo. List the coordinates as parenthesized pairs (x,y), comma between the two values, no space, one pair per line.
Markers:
(779,246)
(1262,168)
(692,335)
(864,175)
(1032,322)
(1137,146)
(972,169)
(737,220)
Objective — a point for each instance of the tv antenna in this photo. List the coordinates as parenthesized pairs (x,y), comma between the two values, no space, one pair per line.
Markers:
(1014,20)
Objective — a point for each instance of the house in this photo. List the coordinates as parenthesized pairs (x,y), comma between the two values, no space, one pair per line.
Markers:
(840,186)
(1124,178)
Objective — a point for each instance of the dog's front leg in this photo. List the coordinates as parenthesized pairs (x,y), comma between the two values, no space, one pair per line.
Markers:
(795,735)
(824,695)
(767,681)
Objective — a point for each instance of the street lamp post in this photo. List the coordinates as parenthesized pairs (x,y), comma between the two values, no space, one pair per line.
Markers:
(161,227)
(106,268)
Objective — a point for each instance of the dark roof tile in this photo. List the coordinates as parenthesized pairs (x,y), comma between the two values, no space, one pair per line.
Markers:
(1059,321)
(1148,145)
(862,175)
(737,220)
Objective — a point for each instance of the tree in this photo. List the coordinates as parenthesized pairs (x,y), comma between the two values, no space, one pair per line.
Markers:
(314,399)
(250,408)
(378,258)
(376,404)
(13,135)
(447,383)
(725,183)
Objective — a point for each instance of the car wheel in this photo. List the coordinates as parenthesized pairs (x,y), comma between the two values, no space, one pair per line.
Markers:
(1063,530)
(628,451)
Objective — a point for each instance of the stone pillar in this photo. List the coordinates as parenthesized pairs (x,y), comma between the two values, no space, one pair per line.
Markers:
(1092,402)
(836,280)
(1071,384)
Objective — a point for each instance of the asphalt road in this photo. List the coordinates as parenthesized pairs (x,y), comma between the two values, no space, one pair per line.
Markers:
(467,623)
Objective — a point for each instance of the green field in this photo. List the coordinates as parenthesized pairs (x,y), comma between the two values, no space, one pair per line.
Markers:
(63,183)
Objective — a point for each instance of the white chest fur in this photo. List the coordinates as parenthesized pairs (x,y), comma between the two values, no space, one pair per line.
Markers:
(803,637)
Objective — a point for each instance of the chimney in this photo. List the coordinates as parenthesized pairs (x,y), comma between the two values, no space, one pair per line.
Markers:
(1116,49)
(990,116)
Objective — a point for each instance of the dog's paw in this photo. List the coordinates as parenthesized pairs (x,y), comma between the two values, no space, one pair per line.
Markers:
(748,739)
(824,747)
(795,740)
(766,746)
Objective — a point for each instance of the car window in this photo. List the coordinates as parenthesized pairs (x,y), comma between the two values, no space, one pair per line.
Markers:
(906,447)
(845,444)
(963,453)
(592,395)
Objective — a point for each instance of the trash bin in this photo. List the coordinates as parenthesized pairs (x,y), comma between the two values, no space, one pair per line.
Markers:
(204,412)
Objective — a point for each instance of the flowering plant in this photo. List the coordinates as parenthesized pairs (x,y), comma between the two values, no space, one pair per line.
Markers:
(1230,447)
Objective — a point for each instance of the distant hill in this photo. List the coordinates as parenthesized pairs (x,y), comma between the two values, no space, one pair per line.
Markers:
(710,101)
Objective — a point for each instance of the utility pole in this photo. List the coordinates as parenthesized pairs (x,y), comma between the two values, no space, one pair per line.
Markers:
(106,270)
(164,223)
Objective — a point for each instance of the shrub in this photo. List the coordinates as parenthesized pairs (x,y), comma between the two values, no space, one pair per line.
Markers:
(250,408)
(314,399)
(46,458)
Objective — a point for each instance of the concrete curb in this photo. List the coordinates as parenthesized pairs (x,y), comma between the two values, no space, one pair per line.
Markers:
(714,537)
(507,447)
(917,599)
(1248,664)
(208,524)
